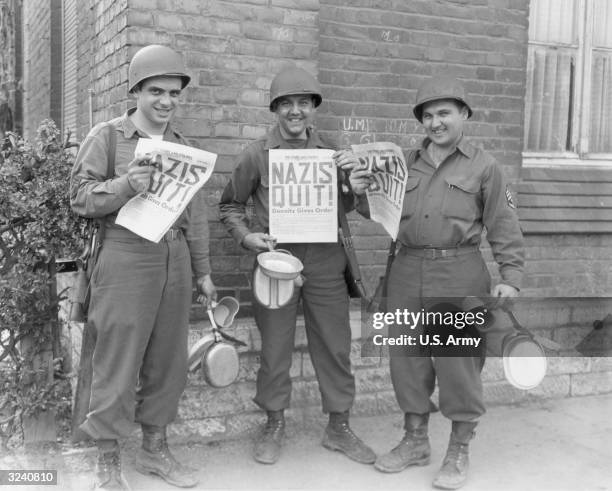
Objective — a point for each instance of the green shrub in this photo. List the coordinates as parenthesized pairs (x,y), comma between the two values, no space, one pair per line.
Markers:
(36,226)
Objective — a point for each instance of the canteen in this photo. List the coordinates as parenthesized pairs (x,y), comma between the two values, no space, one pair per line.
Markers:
(523,357)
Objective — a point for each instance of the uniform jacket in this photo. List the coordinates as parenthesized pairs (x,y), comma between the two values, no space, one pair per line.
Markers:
(450,207)
(250,178)
(91,195)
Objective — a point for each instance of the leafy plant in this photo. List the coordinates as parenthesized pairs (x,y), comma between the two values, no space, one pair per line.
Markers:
(36,226)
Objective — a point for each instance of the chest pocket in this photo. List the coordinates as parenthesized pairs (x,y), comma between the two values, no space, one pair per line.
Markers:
(411,196)
(461,198)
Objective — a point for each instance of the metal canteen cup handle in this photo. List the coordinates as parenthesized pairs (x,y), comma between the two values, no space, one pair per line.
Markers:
(215,329)
(271,243)
(220,362)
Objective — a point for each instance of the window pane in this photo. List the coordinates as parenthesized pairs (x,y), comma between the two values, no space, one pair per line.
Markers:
(553,21)
(600,137)
(550,85)
(602,27)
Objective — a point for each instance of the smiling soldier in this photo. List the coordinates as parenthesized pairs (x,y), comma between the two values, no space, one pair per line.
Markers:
(140,290)
(294,97)
(454,191)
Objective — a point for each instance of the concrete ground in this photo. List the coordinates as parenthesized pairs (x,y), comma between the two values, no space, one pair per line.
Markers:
(558,445)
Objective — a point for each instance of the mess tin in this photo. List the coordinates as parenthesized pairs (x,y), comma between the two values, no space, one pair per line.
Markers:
(218,358)
(224,311)
(523,356)
(280,264)
(524,361)
(276,275)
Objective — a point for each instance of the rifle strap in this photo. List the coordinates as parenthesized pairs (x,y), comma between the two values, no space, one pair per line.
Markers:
(347,240)
(110,172)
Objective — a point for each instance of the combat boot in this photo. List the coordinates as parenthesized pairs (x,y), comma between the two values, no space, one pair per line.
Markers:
(339,436)
(414,449)
(268,445)
(454,470)
(108,467)
(155,458)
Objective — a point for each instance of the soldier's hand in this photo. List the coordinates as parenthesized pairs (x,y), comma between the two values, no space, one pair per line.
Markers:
(258,241)
(345,160)
(502,296)
(139,173)
(207,290)
(360,180)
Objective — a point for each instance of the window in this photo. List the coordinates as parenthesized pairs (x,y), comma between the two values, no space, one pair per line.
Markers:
(569,83)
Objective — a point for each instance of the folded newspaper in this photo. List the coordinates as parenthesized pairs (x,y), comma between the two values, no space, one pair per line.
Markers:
(386,162)
(180,172)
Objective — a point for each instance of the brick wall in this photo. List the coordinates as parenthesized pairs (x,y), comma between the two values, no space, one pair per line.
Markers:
(374,55)
(37,65)
(110,56)
(568,265)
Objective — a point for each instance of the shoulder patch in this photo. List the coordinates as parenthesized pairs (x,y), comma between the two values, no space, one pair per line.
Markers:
(510,197)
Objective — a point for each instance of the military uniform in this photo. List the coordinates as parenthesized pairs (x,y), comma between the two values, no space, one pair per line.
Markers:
(140,292)
(294,96)
(324,293)
(444,213)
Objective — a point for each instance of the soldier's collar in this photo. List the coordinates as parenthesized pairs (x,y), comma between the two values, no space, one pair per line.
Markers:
(463,146)
(129,128)
(274,139)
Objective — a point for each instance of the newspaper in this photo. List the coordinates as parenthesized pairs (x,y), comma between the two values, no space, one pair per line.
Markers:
(181,171)
(303,198)
(386,193)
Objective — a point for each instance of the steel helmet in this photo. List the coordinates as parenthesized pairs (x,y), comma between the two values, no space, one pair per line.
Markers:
(436,88)
(153,61)
(294,81)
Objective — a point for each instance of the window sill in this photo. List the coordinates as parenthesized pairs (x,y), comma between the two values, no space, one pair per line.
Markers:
(567,161)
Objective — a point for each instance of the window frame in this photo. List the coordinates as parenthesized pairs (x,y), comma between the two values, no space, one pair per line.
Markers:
(581,111)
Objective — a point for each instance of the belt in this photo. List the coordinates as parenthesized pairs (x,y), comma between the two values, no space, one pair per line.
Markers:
(436,253)
(121,233)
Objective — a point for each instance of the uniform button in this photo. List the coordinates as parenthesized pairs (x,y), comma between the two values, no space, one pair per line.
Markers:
(426,216)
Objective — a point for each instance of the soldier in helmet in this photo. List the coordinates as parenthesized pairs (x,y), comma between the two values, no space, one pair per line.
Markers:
(454,192)
(294,97)
(140,290)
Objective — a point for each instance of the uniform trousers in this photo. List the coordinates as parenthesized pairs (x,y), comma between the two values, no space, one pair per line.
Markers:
(140,299)
(417,283)
(325,301)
